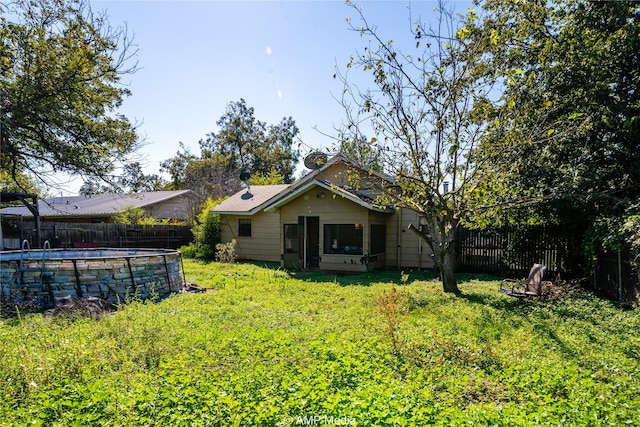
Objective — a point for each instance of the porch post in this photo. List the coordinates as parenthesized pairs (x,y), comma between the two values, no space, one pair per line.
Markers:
(304,251)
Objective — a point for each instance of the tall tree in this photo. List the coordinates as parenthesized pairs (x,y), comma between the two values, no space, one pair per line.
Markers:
(241,143)
(208,174)
(131,180)
(60,71)
(212,177)
(134,180)
(357,147)
(248,143)
(176,167)
(572,74)
(428,110)
(239,133)
(18,183)
(277,153)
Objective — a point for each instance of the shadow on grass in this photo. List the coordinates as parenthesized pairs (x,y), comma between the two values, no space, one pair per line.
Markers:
(399,278)
(12,313)
(501,302)
(492,299)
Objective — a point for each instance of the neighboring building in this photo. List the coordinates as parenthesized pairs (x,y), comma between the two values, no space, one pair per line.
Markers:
(321,222)
(100,208)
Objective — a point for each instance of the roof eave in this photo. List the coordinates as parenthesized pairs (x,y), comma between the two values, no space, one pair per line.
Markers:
(277,204)
(240,213)
(249,212)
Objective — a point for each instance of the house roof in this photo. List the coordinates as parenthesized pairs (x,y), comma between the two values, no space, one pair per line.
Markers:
(317,175)
(248,203)
(357,165)
(97,204)
(360,199)
(364,197)
(271,197)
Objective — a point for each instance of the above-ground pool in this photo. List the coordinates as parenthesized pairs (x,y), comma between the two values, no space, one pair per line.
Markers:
(39,277)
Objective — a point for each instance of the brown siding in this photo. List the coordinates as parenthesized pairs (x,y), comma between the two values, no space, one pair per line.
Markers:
(412,251)
(331,210)
(266,242)
(263,245)
(337,174)
(177,208)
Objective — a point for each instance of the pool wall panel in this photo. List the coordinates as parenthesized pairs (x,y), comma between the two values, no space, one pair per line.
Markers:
(133,275)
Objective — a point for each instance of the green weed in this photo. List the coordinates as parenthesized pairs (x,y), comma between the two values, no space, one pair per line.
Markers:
(271,347)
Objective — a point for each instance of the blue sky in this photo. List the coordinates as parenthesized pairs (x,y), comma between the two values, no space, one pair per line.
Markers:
(280,56)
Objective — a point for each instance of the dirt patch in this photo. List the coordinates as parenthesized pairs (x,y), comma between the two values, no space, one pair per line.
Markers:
(91,307)
(96,307)
(191,288)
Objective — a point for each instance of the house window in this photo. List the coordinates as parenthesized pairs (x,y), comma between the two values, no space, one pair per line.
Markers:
(244,228)
(343,239)
(291,238)
(378,239)
(423,224)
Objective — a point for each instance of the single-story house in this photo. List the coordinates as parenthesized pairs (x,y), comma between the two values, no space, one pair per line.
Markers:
(100,208)
(322,222)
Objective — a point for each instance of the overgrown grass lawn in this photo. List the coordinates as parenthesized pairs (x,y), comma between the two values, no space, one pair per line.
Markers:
(265,347)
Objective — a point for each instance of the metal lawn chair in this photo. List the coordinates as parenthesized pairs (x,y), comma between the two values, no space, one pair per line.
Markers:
(529,288)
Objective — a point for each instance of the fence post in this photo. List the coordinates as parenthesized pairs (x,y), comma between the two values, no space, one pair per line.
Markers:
(620,274)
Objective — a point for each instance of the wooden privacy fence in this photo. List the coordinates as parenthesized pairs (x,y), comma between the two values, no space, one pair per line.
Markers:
(66,235)
(513,251)
(615,276)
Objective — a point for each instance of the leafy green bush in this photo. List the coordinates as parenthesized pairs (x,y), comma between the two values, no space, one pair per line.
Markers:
(632,229)
(612,234)
(134,216)
(206,232)
(606,234)
(188,251)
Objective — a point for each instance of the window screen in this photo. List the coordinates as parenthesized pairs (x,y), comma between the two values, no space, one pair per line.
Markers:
(343,239)
(291,238)
(244,227)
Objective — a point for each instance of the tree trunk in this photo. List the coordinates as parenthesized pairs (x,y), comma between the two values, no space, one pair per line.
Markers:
(443,246)
(448,272)
(449,234)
